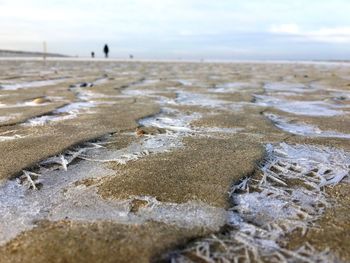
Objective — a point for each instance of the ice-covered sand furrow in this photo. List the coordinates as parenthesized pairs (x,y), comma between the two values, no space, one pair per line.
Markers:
(233,87)
(307,108)
(58,178)
(32,84)
(83,104)
(300,128)
(66,112)
(60,196)
(270,206)
(289,87)
(8,117)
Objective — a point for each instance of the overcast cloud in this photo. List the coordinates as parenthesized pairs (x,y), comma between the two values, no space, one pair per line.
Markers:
(193,29)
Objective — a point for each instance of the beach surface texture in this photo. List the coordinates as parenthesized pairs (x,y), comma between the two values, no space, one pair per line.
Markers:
(111,161)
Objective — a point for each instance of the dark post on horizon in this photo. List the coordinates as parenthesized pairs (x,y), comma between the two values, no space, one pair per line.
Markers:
(106,50)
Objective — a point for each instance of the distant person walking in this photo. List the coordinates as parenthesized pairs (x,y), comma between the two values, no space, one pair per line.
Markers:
(106,50)
(92,54)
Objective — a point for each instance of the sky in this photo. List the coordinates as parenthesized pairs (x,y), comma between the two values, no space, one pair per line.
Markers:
(180,29)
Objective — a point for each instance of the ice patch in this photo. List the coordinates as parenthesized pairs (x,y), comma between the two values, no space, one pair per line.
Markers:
(218,130)
(43,120)
(67,112)
(233,87)
(87,95)
(289,87)
(138,92)
(176,126)
(307,108)
(61,197)
(320,165)
(195,99)
(32,84)
(8,118)
(148,145)
(171,120)
(84,204)
(303,129)
(287,196)
(149,93)
(20,208)
(185,82)
(75,107)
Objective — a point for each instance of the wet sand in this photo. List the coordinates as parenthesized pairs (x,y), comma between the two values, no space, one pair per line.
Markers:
(144,161)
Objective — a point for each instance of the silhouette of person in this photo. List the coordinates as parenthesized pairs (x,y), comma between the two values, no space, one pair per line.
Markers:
(92,54)
(106,50)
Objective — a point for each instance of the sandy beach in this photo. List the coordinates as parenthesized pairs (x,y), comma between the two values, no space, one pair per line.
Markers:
(116,161)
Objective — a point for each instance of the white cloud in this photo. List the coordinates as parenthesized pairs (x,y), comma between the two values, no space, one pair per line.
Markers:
(330,35)
(324,35)
(285,29)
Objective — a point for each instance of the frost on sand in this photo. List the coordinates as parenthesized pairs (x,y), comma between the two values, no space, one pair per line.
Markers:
(287,194)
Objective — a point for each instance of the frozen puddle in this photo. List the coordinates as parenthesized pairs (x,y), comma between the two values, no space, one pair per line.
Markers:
(288,195)
(152,93)
(72,110)
(141,92)
(61,196)
(87,95)
(185,82)
(56,190)
(188,98)
(9,117)
(303,129)
(32,84)
(307,108)
(175,125)
(233,87)
(171,120)
(175,121)
(6,118)
(288,87)
(67,112)
(75,107)
(151,144)
(202,100)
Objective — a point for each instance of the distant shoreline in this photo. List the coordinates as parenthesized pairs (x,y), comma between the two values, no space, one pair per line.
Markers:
(4,53)
(58,57)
